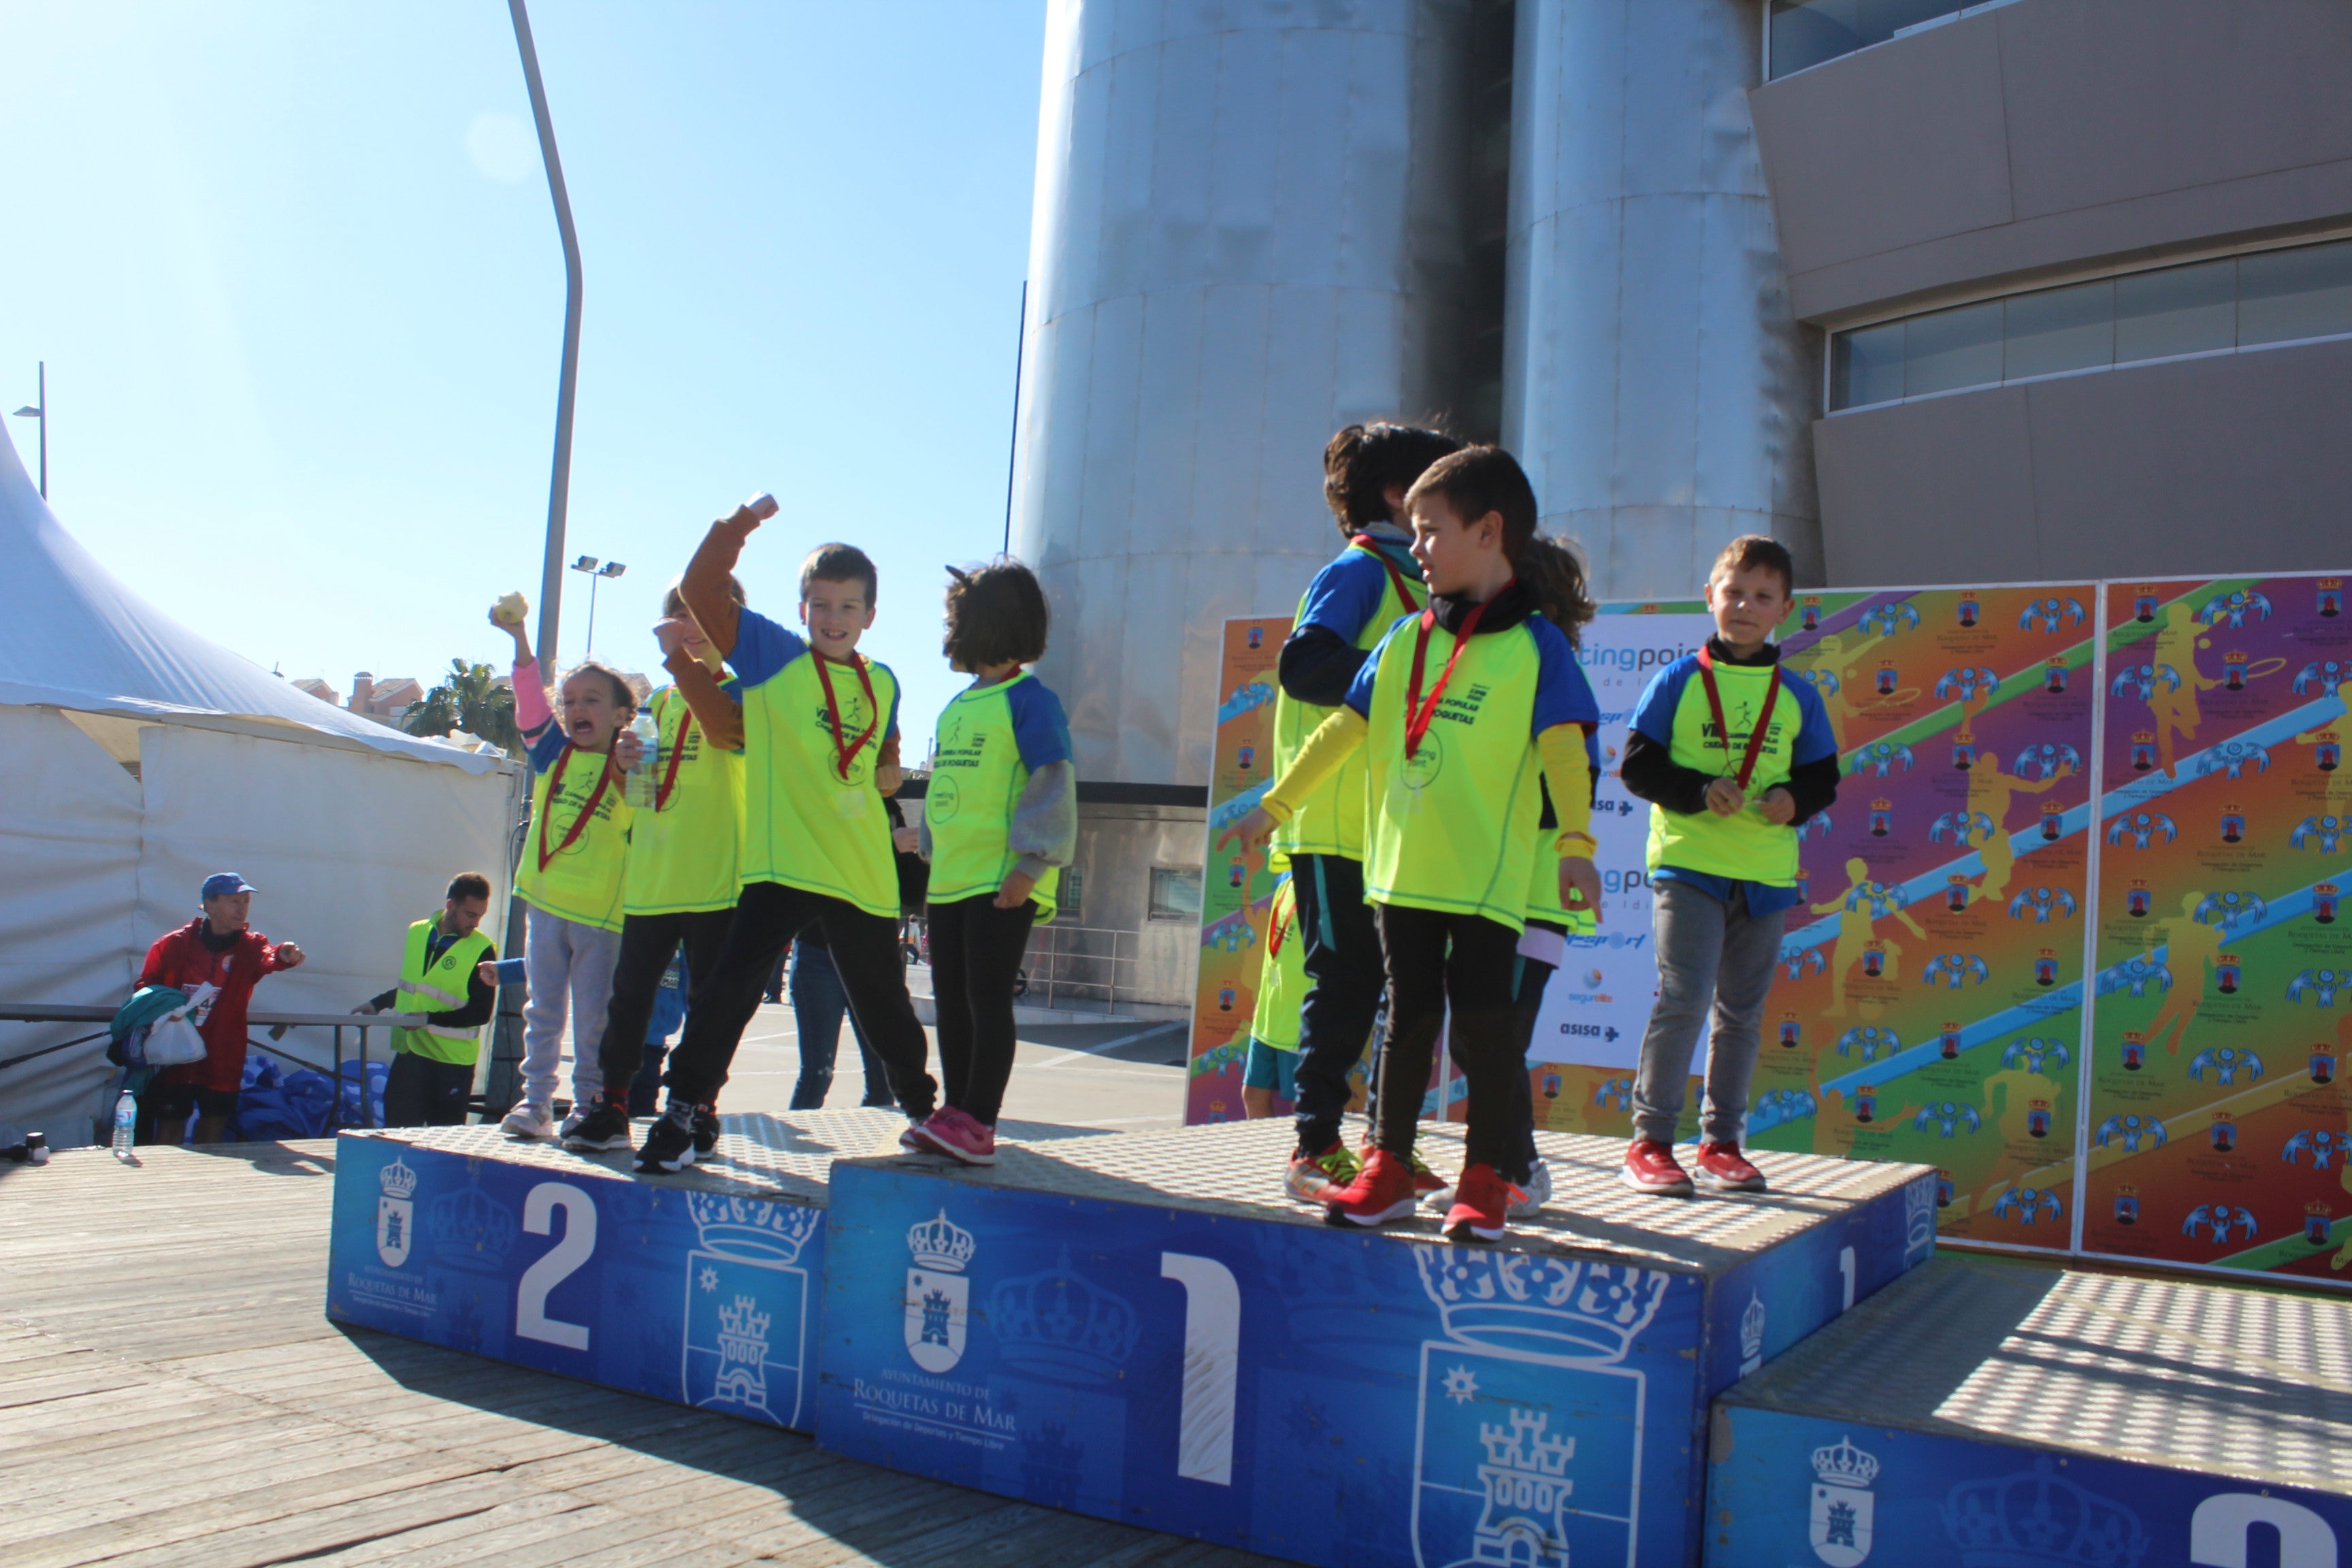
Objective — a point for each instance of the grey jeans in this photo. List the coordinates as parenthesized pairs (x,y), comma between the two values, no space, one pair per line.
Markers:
(1711,956)
(569,967)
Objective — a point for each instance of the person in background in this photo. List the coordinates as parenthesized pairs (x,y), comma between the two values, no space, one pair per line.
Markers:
(574,853)
(819,1005)
(443,974)
(1266,1070)
(669,1012)
(219,948)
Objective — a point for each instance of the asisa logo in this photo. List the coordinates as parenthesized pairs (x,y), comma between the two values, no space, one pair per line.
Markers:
(938,1296)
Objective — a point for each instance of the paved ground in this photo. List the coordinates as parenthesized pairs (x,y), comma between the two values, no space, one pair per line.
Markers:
(174,1394)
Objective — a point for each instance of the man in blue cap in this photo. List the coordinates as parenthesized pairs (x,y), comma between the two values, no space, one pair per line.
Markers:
(221,949)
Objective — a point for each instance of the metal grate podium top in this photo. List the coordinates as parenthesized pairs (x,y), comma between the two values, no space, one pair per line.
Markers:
(2232,1381)
(1235,1168)
(788,1155)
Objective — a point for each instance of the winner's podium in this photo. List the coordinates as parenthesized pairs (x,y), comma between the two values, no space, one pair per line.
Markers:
(700,1287)
(1141,1326)
(1986,1412)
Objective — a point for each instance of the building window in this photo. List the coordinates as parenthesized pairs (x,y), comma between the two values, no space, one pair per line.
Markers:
(1809,32)
(1069,896)
(1175,894)
(2241,302)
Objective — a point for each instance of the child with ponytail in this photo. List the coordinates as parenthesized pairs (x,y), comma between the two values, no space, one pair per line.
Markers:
(999,820)
(575,849)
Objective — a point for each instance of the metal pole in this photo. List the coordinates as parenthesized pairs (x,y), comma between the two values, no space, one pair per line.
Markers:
(559,488)
(42,386)
(592,617)
(505,1052)
(1011,457)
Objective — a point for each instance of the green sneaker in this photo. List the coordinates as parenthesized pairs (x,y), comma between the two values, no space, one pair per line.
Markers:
(1313,1178)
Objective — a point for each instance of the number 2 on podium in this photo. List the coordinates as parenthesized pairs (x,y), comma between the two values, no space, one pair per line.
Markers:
(531,1321)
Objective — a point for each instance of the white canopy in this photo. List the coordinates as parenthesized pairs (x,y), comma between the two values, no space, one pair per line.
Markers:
(137,756)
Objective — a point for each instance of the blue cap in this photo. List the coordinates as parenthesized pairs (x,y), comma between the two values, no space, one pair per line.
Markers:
(222,883)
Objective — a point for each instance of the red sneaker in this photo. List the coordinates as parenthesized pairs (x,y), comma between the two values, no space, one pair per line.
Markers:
(1382,1192)
(1723,1168)
(1482,1203)
(1424,1180)
(1649,1167)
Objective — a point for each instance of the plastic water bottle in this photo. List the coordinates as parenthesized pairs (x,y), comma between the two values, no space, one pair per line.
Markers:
(645,779)
(126,1121)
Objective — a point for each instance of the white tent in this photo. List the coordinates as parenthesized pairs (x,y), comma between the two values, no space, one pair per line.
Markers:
(136,757)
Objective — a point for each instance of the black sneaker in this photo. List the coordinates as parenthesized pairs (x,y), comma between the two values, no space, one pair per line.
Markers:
(705,1131)
(602,1129)
(669,1144)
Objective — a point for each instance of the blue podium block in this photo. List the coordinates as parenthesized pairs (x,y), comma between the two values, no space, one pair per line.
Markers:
(1141,1326)
(1989,1412)
(700,1287)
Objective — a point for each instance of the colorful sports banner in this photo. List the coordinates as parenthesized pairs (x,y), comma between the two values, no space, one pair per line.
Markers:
(1238,888)
(1929,1003)
(2217,1125)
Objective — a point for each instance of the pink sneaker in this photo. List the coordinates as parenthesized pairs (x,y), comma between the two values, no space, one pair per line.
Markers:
(951,1132)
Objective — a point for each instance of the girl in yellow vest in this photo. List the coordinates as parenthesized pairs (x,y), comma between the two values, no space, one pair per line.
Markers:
(1346,610)
(1733,758)
(575,850)
(999,820)
(1266,1071)
(1461,712)
(1553,573)
(682,877)
(820,724)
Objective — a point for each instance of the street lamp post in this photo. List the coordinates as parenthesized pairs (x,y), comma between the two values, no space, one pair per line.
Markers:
(586,566)
(40,411)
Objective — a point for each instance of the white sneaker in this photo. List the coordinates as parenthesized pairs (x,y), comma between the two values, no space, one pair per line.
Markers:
(1537,1193)
(528,1120)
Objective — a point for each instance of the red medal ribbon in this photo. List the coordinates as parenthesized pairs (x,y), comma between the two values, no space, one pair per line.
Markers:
(1723,732)
(1398,580)
(849,750)
(1274,937)
(670,774)
(1417,714)
(587,812)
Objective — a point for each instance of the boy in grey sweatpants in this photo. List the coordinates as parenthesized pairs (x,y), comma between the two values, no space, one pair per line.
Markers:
(1733,757)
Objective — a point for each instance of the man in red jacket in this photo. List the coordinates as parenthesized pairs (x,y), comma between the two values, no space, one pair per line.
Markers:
(217,948)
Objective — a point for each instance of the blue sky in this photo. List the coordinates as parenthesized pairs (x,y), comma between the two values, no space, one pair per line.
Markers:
(295,276)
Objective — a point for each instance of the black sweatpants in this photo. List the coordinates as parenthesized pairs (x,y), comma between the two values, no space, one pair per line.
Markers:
(866,955)
(976,952)
(421,1092)
(647,944)
(1342,958)
(1526,1001)
(1433,959)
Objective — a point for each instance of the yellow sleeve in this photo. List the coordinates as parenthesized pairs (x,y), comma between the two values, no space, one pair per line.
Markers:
(1334,742)
(1569,773)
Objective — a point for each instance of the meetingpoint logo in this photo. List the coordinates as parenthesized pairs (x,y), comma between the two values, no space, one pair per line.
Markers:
(1630,660)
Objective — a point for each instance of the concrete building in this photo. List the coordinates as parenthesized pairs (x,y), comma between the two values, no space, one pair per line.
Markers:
(1932,292)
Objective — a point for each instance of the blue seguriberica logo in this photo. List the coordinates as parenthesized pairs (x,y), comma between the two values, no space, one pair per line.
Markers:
(1533,1353)
(938,1296)
(395,1213)
(747,1307)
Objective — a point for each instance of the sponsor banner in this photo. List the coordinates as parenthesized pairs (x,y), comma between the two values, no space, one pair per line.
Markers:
(706,1299)
(2217,1125)
(1321,1394)
(1799,1490)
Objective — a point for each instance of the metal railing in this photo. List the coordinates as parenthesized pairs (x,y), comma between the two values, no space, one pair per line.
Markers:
(1093,966)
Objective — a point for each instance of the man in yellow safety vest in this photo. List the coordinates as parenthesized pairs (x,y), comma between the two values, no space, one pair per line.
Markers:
(442,975)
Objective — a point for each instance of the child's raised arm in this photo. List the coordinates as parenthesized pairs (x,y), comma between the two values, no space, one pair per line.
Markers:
(707,588)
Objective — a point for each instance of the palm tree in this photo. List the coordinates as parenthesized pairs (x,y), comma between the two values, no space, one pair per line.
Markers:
(469,699)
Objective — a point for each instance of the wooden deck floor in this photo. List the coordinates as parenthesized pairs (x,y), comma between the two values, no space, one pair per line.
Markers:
(170,1392)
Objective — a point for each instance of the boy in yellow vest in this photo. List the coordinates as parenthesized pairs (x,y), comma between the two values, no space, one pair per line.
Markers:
(820,724)
(1733,758)
(681,881)
(1461,712)
(1344,613)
